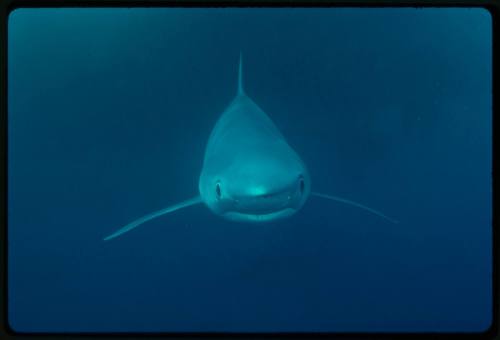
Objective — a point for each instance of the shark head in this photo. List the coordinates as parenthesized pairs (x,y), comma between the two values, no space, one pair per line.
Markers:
(259,184)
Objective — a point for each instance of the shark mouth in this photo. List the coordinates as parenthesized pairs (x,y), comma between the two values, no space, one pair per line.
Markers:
(265,204)
(258,217)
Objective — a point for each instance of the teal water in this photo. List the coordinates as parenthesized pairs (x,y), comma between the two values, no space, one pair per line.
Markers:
(109,111)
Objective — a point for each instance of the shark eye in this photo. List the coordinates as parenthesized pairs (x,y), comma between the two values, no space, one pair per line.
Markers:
(218,192)
(302,185)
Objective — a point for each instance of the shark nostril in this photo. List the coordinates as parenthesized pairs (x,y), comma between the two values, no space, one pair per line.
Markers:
(218,192)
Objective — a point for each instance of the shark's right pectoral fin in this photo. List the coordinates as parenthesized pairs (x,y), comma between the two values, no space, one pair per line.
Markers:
(148,217)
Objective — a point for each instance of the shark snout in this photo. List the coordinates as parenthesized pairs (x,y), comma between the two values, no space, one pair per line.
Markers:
(262,200)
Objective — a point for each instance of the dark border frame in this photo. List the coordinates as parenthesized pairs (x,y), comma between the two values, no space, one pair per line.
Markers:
(6,6)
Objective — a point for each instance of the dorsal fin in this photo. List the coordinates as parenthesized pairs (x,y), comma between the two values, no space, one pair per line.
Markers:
(240,77)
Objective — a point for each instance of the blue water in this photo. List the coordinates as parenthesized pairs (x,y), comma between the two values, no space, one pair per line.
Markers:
(110,109)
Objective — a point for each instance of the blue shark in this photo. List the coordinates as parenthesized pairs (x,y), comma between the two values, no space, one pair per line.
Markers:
(250,173)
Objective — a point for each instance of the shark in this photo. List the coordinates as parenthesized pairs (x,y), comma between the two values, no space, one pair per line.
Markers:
(250,173)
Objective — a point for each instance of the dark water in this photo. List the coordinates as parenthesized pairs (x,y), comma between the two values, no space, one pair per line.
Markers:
(109,113)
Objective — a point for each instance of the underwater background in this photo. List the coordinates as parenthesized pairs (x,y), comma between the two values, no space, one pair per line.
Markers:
(109,111)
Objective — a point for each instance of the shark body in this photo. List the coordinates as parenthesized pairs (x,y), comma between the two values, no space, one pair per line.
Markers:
(250,173)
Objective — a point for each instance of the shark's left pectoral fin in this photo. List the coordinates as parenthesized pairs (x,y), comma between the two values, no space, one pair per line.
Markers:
(343,200)
(148,217)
